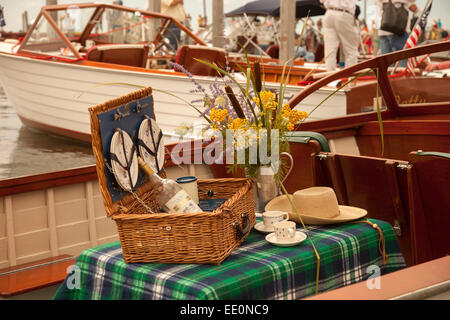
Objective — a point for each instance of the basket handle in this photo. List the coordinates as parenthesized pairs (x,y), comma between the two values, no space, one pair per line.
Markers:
(241,231)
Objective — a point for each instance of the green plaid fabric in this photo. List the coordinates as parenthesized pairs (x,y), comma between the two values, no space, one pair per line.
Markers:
(255,270)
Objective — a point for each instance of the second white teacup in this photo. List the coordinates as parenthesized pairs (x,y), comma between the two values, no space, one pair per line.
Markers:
(285,230)
(272,217)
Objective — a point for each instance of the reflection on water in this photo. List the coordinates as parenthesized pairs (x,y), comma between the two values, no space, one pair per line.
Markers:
(24,151)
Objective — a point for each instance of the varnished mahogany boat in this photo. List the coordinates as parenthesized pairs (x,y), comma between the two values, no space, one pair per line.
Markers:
(61,213)
(72,55)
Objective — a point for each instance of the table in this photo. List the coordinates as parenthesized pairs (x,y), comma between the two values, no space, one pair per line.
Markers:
(255,270)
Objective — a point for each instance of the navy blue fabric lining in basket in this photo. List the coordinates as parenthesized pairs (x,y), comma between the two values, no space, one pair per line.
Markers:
(127,117)
(210,205)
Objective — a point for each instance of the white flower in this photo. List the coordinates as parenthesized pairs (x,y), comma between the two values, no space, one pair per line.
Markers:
(182,130)
(245,139)
(220,101)
(210,133)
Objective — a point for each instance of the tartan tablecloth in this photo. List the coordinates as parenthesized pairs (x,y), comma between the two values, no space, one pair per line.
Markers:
(255,270)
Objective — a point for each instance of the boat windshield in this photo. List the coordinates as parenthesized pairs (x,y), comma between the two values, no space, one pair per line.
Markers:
(45,38)
(124,27)
(117,26)
(88,26)
(72,21)
(430,81)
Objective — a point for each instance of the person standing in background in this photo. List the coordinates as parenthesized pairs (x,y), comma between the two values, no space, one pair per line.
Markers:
(339,27)
(175,9)
(416,12)
(390,42)
(301,51)
(2,18)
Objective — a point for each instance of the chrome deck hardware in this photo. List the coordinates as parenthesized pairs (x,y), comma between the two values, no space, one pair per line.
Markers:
(397,228)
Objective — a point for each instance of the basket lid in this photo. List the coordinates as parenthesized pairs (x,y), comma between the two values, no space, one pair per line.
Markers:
(125,113)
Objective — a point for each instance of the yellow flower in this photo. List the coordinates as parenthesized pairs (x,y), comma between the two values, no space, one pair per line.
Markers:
(286,110)
(295,116)
(267,97)
(267,100)
(238,123)
(290,126)
(271,105)
(218,115)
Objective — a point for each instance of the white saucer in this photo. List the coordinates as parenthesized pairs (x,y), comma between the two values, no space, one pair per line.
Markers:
(261,227)
(299,237)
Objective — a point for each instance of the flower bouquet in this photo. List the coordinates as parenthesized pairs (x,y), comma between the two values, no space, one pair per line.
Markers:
(248,125)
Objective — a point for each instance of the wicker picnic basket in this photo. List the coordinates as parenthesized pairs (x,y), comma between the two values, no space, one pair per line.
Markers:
(207,237)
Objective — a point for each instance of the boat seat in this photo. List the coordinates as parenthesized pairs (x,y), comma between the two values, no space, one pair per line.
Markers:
(134,55)
(378,185)
(247,43)
(301,145)
(35,275)
(273,51)
(319,52)
(188,53)
(429,181)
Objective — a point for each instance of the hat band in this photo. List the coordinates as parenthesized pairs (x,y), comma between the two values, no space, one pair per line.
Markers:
(323,217)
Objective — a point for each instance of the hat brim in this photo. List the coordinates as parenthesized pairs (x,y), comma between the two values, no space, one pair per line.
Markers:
(347,213)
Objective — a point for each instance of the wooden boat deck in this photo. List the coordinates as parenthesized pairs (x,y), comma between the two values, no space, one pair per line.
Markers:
(426,281)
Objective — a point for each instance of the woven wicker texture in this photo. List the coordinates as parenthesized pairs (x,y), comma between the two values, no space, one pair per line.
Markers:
(207,237)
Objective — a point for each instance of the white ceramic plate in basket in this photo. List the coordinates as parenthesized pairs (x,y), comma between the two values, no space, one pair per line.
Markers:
(151,136)
(122,147)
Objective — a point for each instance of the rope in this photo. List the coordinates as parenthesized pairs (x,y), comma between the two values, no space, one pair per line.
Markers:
(391,76)
(17,43)
(381,242)
(365,78)
(116,30)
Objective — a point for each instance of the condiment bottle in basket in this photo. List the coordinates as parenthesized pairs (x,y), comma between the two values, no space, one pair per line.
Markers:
(170,195)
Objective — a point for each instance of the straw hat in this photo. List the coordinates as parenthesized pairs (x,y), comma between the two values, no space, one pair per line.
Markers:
(316,205)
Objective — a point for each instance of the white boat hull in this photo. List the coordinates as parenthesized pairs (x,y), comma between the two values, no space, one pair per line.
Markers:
(63,219)
(56,96)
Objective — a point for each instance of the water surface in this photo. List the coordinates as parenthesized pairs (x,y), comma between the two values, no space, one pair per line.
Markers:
(25,151)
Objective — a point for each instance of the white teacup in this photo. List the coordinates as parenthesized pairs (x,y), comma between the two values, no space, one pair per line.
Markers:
(272,217)
(285,230)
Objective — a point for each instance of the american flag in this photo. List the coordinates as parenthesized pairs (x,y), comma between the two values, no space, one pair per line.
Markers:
(413,39)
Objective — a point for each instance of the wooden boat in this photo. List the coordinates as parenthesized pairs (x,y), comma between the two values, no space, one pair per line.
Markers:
(60,69)
(11,35)
(61,213)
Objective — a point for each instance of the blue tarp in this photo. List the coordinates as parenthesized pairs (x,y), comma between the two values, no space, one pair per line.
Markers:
(272,8)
